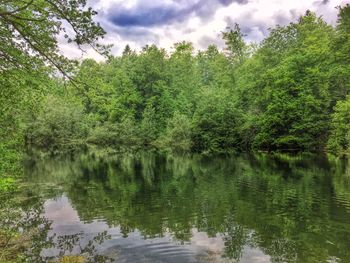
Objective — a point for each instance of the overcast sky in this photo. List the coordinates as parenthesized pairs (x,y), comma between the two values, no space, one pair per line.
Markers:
(165,22)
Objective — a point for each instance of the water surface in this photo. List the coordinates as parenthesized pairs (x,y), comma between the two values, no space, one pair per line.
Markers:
(150,207)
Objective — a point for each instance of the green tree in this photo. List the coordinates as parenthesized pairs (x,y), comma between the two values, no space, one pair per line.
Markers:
(339,139)
(183,77)
(149,126)
(235,45)
(29,31)
(340,62)
(215,123)
(178,133)
(58,124)
(288,90)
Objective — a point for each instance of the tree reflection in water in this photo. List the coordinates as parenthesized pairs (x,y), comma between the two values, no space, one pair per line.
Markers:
(64,245)
(72,245)
(27,216)
(293,209)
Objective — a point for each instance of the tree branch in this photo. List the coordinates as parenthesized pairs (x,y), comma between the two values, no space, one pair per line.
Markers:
(18,9)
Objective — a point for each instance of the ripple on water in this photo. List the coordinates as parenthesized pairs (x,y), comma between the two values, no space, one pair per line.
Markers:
(344,200)
(154,252)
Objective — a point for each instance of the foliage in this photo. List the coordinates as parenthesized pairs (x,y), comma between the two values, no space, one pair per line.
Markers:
(118,135)
(149,125)
(59,123)
(288,92)
(29,31)
(215,123)
(278,95)
(7,184)
(235,45)
(339,139)
(177,134)
(340,61)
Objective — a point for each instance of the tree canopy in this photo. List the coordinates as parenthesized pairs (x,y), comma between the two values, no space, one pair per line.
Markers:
(278,95)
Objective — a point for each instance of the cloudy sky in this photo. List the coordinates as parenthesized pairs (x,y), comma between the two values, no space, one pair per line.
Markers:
(165,22)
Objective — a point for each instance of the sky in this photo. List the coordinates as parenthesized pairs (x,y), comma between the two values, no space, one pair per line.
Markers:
(165,22)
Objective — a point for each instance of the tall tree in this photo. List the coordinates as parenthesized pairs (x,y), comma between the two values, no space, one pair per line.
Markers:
(183,78)
(235,45)
(340,63)
(288,91)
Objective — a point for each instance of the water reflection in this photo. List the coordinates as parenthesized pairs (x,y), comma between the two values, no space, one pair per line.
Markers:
(164,208)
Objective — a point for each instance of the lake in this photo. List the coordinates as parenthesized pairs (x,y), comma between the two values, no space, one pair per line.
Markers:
(153,207)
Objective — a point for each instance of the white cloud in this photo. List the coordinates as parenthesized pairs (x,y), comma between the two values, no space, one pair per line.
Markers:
(202,27)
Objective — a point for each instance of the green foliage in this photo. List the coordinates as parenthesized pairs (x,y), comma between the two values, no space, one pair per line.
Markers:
(288,91)
(177,134)
(278,95)
(339,139)
(28,51)
(29,30)
(7,185)
(149,125)
(215,123)
(118,135)
(340,60)
(183,78)
(126,99)
(235,45)
(10,158)
(59,123)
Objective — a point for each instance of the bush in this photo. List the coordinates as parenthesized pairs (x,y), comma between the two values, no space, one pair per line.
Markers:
(124,133)
(59,123)
(178,133)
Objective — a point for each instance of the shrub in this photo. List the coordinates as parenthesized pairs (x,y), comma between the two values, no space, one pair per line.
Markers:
(59,123)
(178,133)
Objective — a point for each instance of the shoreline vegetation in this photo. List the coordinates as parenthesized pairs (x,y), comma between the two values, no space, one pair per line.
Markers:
(289,92)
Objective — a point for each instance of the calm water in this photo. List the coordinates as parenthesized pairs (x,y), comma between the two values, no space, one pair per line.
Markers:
(165,208)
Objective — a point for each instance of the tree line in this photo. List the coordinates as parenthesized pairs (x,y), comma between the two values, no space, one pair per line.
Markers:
(289,92)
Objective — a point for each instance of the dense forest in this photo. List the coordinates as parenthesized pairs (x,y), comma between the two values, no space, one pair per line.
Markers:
(289,92)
